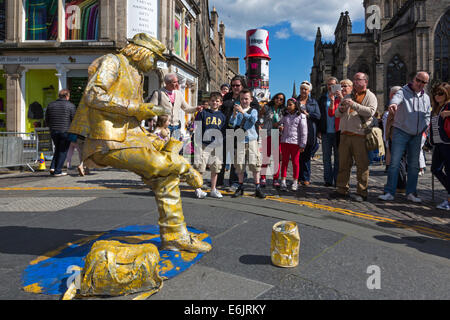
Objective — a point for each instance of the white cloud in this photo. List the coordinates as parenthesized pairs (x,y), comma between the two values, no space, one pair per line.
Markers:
(303,16)
(282,33)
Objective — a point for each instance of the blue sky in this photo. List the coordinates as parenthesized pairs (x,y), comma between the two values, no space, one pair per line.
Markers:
(291,40)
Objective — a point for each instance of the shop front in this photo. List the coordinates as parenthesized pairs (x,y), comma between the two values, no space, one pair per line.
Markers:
(39,80)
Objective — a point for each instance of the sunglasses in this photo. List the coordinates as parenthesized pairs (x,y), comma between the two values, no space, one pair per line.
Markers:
(235,85)
(420,81)
(440,93)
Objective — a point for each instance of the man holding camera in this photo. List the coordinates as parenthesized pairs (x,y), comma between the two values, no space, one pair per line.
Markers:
(354,109)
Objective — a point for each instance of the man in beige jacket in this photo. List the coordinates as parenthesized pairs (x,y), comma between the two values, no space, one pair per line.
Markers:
(360,106)
(172,100)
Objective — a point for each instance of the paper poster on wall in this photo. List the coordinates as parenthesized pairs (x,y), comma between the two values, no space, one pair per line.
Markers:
(142,16)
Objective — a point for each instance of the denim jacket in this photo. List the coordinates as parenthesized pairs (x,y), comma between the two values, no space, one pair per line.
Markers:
(249,124)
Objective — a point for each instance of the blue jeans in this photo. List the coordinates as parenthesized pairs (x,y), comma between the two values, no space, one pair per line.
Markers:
(62,143)
(175,132)
(401,142)
(440,165)
(329,146)
(305,164)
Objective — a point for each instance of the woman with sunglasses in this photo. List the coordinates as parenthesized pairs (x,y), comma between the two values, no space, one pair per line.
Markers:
(440,138)
(310,108)
(271,115)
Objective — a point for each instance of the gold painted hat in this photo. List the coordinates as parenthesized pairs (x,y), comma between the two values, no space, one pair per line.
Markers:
(146,41)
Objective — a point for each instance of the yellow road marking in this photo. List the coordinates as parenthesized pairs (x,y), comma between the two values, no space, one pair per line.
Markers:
(396,223)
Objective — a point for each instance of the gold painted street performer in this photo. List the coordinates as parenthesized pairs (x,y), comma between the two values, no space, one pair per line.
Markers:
(109,116)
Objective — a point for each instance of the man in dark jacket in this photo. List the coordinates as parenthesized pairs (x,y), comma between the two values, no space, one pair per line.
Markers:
(58,116)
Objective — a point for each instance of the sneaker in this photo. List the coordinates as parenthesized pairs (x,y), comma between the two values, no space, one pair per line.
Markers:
(263,182)
(421,172)
(306,183)
(259,193)
(215,194)
(444,206)
(413,198)
(358,197)
(60,174)
(234,187)
(200,194)
(276,184)
(294,186)
(239,191)
(386,197)
(283,186)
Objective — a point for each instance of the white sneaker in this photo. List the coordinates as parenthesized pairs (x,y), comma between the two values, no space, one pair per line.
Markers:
(413,198)
(283,186)
(444,206)
(215,194)
(386,197)
(200,194)
(294,186)
(60,174)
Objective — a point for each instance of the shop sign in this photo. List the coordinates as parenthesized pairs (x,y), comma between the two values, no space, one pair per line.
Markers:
(44,141)
(42,59)
(142,16)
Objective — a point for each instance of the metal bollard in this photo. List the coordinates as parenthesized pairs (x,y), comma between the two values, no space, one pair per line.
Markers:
(285,244)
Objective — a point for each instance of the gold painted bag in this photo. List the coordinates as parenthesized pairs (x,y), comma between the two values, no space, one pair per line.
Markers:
(113,268)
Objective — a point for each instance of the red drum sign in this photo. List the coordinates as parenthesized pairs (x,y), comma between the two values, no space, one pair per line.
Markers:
(258,43)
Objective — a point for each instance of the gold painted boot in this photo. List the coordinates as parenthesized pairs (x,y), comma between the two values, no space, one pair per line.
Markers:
(188,242)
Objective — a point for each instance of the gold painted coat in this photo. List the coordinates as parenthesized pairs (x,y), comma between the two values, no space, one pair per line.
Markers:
(112,108)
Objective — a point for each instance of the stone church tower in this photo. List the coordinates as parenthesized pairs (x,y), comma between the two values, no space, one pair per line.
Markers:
(409,36)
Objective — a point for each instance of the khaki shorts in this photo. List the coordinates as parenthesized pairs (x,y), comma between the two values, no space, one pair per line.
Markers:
(208,156)
(249,156)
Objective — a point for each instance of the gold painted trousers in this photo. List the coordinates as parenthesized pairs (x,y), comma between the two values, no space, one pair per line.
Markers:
(160,170)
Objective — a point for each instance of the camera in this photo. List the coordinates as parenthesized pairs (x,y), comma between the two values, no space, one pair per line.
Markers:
(335,88)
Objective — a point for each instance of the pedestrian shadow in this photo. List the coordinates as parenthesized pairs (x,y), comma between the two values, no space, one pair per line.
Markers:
(37,241)
(115,183)
(251,259)
(433,246)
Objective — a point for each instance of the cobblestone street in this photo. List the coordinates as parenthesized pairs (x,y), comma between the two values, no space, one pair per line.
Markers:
(401,210)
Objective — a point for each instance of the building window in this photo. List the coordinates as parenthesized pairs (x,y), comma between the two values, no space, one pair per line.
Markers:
(441,40)
(387,9)
(177,33)
(2,20)
(81,18)
(396,73)
(187,39)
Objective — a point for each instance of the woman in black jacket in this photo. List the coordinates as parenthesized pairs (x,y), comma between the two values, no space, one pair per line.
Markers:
(440,138)
(310,108)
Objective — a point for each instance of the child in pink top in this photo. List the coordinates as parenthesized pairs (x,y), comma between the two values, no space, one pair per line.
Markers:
(294,132)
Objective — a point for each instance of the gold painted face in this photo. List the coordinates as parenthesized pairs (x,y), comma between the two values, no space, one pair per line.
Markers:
(146,64)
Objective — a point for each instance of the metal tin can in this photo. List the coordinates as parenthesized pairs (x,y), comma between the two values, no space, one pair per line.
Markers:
(285,244)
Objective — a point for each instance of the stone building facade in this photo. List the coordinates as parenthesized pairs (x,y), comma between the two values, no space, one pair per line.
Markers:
(214,67)
(48,45)
(413,35)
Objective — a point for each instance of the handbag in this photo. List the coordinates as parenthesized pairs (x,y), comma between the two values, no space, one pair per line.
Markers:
(372,135)
(113,268)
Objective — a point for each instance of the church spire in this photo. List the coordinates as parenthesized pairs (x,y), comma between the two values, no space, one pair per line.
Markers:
(294,94)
